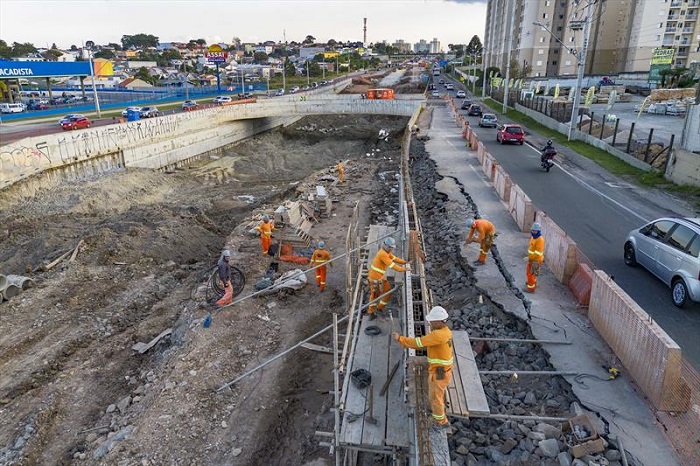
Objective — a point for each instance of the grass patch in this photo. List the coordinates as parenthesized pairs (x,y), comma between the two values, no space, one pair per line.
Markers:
(608,161)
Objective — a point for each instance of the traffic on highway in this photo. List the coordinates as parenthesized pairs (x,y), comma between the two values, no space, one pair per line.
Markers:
(598,211)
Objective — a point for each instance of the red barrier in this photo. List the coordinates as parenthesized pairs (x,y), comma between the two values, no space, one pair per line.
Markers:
(581,283)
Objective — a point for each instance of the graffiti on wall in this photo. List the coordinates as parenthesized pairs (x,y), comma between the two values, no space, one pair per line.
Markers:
(18,161)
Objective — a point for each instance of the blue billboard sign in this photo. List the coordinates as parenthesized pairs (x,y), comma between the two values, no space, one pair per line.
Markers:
(41,69)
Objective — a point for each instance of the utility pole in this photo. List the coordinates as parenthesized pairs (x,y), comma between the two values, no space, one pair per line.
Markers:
(509,44)
(284,62)
(581,58)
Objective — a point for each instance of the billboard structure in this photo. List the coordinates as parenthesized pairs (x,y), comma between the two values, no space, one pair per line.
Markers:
(661,59)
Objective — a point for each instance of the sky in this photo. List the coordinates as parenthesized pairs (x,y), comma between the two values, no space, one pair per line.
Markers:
(70,22)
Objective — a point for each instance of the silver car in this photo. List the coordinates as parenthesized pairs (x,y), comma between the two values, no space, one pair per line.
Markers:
(669,248)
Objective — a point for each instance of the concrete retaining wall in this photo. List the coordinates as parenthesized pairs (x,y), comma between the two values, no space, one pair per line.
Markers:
(648,354)
(521,208)
(502,183)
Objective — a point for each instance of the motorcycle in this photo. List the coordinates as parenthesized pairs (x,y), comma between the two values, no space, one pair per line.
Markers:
(546,159)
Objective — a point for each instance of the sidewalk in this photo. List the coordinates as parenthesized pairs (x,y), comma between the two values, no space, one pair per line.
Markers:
(554,313)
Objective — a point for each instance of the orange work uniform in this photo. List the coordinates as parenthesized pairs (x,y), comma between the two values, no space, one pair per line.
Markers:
(265,228)
(486,232)
(320,256)
(535,255)
(341,171)
(438,344)
(378,284)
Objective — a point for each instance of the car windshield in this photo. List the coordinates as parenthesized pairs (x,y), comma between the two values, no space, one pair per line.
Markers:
(514,130)
(489,117)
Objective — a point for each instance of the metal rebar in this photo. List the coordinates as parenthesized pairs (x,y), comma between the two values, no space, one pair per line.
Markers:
(646,152)
(602,127)
(617,123)
(516,340)
(512,417)
(336,395)
(528,372)
(629,138)
(590,123)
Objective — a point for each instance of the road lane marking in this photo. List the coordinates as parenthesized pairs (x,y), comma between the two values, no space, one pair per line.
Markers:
(600,193)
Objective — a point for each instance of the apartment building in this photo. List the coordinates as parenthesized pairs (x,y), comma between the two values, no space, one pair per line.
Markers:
(622,37)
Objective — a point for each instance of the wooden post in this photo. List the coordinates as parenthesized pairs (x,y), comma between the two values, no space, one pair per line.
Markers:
(617,124)
(646,151)
(590,123)
(629,138)
(602,127)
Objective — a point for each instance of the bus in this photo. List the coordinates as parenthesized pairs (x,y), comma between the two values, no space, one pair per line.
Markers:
(380,94)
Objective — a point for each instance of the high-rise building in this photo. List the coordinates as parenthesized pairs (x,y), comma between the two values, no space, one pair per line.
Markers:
(434,45)
(421,47)
(623,34)
(402,46)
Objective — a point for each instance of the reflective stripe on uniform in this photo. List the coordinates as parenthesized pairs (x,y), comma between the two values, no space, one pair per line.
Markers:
(439,417)
(391,266)
(537,253)
(419,343)
(378,270)
(441,362)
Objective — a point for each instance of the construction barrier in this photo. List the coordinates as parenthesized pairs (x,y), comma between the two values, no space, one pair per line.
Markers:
(521,208)
(501,182)
(560,249)
(581,283)
(649,355)
(488,165)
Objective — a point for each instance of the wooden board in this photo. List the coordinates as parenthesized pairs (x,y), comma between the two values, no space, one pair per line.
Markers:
(397,423)
(458,401)
(373,434)
(355,402)
(469,374)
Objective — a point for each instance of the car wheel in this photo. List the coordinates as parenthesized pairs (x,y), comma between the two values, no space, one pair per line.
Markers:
(630,257)
(87,126)
(521,143)
(679,292)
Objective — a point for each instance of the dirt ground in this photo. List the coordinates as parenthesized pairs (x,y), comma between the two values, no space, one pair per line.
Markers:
(72,390)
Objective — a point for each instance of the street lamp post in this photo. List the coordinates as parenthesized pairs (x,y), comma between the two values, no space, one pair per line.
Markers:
(94,89)
(483,77)
(509,44)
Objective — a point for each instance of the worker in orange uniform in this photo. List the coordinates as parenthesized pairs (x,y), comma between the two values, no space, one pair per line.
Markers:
(485,234)
(438,344)
(378,284)
(341,170)
(535,257)
(319,258)
(265,228)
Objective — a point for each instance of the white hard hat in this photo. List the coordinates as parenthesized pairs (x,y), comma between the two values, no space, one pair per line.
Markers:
(389,242)
(437,313)
(536,227)
(321,244)
(470,222)
(226,253)
(266,218)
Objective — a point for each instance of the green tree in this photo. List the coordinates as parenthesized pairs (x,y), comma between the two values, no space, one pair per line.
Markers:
(171,54)
(143,75)
(236,41)
(315,69)
(52,54)
(114,46)
(332,43)
(139,41)
(53,46)
(105,53)
(19,50)
(493,71)
(260,57)
(474,46)
(201,42)
(309,40)
(289,69)
(73,48)
(5,50)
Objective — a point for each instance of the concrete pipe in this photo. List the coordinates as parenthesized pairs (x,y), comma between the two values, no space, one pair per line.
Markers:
(11,291)
(3,283)
(23,282)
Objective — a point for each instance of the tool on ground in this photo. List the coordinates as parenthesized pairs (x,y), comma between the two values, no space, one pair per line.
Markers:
(391,318)
(385,387)
(370,417)
(613,372)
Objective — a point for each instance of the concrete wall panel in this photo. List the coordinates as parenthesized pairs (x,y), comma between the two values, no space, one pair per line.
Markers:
(559,249)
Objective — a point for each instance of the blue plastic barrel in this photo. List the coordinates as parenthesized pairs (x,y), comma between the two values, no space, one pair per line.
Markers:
(132,115)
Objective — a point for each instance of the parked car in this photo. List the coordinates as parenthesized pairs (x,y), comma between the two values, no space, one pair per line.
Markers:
(188,105)
(488,120)
(294,89)
(279,92)
(246,95)
(450,87)
(474,110)
(668,248)
(510,133)
(314,85)
(466,103)
(148,112)
(125,112)
(12,108)
(461,94)
(76,122)
(222,99)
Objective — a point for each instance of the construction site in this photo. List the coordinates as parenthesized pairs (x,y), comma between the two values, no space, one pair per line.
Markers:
(113,352)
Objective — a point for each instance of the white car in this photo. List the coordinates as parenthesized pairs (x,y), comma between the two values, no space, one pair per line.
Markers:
(12,108)
(294,89)
(461,94)
(436,94)
(222,99)
(125,112)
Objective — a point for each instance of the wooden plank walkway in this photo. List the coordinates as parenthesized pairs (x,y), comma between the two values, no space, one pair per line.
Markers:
(465,394)
(378,354)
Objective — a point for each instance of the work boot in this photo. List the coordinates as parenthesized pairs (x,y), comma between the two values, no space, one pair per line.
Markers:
(478,263)
(372,316)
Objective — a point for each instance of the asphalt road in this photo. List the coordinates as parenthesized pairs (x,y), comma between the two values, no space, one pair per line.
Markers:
(598,211)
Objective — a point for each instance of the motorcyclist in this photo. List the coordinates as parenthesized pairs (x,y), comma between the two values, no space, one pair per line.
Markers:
(548,151)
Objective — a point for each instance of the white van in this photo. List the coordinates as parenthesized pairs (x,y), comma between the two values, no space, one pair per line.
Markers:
(12,108)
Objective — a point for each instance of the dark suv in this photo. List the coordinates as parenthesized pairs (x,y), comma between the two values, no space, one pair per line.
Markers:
(466,103)
(474,110)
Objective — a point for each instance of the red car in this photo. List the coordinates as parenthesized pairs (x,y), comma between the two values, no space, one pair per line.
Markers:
(510,133)
(75,122)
